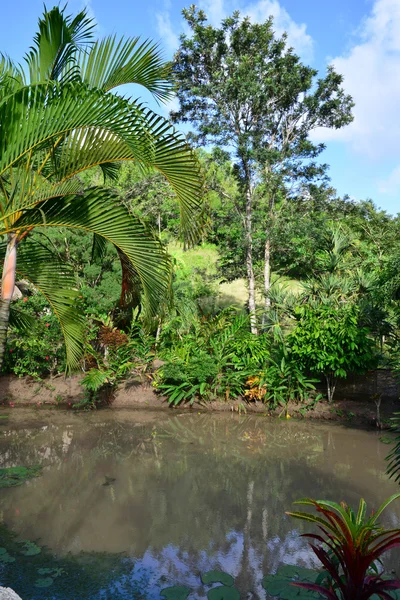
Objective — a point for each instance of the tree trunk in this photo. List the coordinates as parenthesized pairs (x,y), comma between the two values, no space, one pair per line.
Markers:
(267,273)
(267,254)
(7,290)
(331,386)
(249,262)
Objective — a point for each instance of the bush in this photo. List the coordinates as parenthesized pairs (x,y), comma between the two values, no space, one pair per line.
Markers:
(329,341)
(215,358)
(39,351)
(183,380)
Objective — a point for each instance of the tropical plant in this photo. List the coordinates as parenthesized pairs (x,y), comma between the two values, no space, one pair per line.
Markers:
(214,359)
(35,346)
(187,380)
(285,382)
(63,120)
(329,341)
(349,547)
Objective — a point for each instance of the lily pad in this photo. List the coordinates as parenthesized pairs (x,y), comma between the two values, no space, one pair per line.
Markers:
(217,577)
(45,571)
(13,476)
(275,585)
(31,549)
(280,584)
(176,592)
(6,558)
(223,592)
(44,582)
(3,551)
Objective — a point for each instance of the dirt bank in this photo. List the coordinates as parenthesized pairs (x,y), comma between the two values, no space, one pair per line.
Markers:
(65,392)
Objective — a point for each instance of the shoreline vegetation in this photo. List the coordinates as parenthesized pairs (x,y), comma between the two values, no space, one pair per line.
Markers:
(67,393)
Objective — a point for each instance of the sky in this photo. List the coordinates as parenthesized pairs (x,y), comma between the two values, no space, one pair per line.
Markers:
(361,38)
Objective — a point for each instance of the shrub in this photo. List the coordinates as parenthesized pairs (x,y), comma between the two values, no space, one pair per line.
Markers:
(183,380)
(329,341)
(39,350)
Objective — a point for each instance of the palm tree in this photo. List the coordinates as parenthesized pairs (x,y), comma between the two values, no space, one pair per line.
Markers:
(63,119)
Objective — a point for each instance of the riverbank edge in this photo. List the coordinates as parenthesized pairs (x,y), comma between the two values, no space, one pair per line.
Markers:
(65,392)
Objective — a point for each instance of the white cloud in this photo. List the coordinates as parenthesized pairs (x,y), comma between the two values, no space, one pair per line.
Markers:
(371,71)
(168,35)
(391,184)
(297,34)
(217,10)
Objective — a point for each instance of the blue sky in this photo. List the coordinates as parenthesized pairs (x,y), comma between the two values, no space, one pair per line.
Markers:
(360,37)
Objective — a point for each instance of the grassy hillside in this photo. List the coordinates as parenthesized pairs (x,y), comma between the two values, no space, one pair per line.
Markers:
(203,260)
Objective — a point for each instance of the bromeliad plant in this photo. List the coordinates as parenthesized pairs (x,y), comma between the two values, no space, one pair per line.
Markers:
(350,547)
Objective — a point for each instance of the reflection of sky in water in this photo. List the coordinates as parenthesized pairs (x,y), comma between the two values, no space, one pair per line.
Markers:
(191,494)
(171,566)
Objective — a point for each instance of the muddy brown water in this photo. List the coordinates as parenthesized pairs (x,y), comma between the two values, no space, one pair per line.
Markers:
(137,501)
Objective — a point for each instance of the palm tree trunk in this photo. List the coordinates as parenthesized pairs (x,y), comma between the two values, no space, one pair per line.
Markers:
(249,261)
(7,290)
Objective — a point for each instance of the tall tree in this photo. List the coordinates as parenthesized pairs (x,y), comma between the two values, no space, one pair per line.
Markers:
(66,120)
(244,89)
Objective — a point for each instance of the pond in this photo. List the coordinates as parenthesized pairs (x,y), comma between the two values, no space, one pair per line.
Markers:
(132,502)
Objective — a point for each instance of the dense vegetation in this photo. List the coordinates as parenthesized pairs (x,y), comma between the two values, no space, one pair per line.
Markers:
(289,285)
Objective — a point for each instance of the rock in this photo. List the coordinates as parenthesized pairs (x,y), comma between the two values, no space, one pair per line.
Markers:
(8,594)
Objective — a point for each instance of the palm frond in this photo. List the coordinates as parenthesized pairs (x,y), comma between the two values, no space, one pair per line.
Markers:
(12,76)
(56,281)
(34,116)
(112,62)
(95,129)
(101,212)
(21,320)
(56,44)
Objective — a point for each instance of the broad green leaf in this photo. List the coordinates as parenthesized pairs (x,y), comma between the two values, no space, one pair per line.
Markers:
(217,577)
(223,592)
(176,592)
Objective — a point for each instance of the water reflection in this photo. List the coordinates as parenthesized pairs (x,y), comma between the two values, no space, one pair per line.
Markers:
(177,495)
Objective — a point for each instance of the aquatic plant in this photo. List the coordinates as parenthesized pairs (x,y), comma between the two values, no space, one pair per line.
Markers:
(13,476)
(349,547)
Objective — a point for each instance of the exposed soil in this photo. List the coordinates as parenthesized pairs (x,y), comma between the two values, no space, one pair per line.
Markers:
(65,392)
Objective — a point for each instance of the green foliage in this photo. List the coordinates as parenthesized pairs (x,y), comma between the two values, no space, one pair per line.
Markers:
(39,350)
(14,476)
(217,577)
(280,583)
(182,380)
(350,548)
(285,382)
(330,341)
(117,357)
(243,89)
(39,165)
(176,592)
(214,359)
(222,592)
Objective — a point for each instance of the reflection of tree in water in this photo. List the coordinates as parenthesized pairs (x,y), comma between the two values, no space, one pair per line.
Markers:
(190,492)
